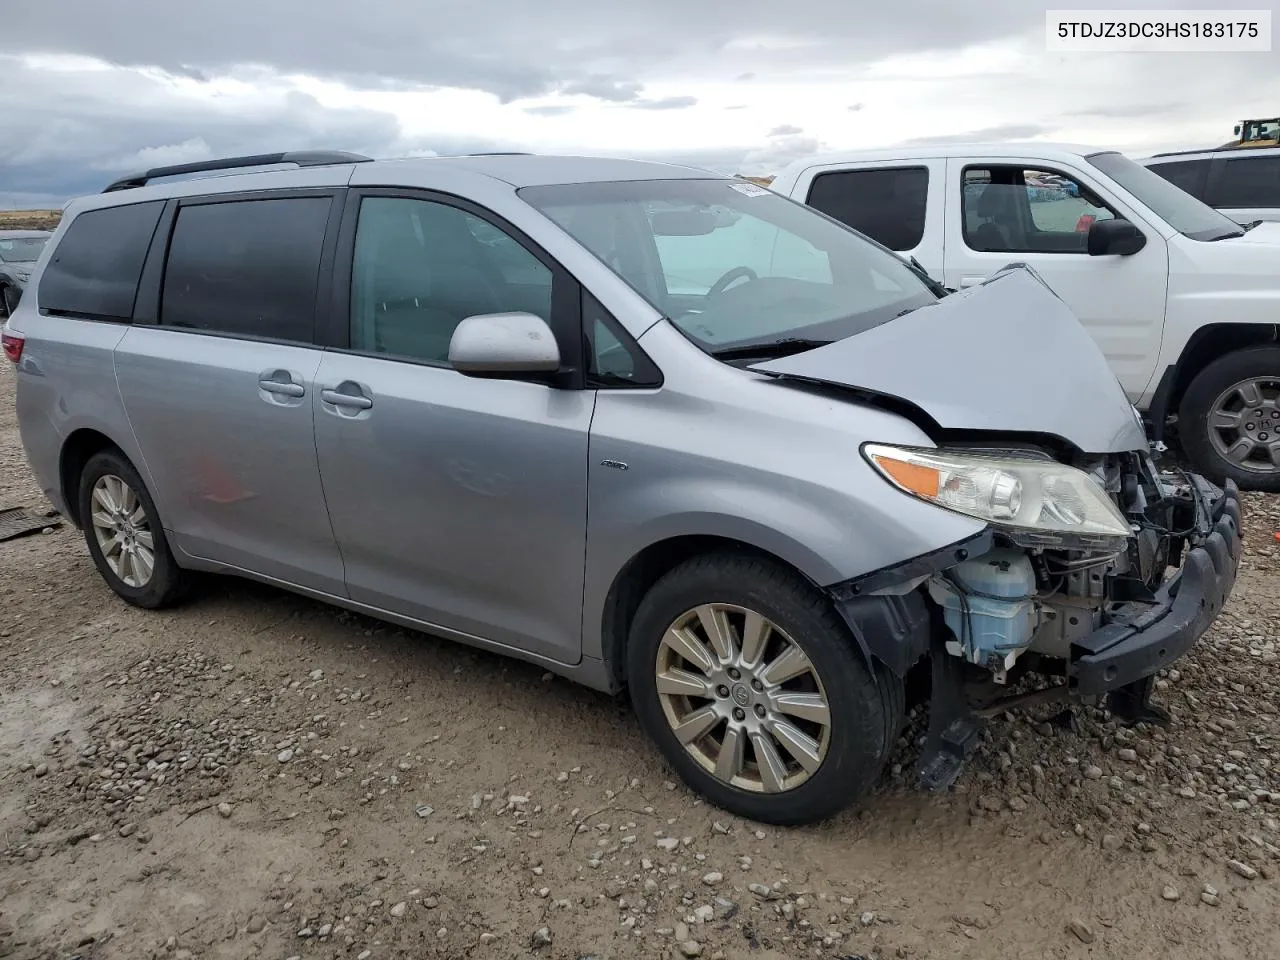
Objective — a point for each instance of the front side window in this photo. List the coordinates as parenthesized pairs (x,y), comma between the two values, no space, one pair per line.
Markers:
(21,249)
(887,205)
(1014,209)
(246,267)
(732,264)
(422,267)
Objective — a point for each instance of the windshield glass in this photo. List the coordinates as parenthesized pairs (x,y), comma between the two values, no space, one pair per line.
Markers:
(21,249)
(733,264)
(1171,203)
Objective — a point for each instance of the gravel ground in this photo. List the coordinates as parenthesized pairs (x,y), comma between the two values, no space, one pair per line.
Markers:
(257,775)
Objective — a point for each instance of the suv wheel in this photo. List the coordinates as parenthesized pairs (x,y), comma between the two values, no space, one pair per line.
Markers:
(124,533)
(1229,419)
(756,693)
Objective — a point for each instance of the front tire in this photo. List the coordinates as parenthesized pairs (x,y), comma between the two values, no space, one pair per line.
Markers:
(125,537)
(1229,419)
(756,693)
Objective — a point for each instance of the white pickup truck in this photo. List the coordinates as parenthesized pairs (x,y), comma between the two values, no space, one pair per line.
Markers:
(1184,302)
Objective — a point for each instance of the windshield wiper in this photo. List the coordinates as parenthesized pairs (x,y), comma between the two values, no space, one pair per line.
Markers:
(769,348)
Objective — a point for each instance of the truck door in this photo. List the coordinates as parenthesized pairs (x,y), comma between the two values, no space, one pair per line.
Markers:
(1002,211)
(899,204)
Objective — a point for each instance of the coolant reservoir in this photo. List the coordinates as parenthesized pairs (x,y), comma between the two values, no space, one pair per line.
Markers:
(987,603)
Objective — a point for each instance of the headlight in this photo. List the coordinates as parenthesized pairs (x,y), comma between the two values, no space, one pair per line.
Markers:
(1041,498)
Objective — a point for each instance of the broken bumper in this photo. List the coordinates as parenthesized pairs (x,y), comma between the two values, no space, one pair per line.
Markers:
(1142,638)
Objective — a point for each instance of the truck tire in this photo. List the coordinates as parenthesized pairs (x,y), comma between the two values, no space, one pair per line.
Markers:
(125,536)
(1229,419)
(756,693)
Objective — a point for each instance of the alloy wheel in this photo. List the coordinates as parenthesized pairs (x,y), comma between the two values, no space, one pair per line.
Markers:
(123,531)
(743,698)
(1244,424)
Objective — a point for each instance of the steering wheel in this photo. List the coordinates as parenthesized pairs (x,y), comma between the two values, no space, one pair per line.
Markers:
(722,284)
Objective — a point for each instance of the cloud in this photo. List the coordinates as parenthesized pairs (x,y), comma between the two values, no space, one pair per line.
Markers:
(665,103)
(550,110)
(787,129)
(1004,131)
(92,89)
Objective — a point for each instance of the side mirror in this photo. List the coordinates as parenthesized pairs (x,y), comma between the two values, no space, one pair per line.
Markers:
(1115,238)
(504,344)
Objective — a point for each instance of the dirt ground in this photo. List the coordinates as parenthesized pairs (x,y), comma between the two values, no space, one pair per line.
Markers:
(258,775)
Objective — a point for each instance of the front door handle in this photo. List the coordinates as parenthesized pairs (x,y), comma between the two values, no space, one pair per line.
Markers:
(355,401)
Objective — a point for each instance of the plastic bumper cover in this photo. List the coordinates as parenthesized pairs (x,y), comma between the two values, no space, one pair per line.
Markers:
(1142,638)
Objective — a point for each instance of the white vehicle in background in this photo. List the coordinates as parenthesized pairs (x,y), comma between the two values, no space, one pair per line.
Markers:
(1183,301)
(1242,183)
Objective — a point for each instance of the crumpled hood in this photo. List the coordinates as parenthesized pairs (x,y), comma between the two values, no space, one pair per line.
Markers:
(1006,356)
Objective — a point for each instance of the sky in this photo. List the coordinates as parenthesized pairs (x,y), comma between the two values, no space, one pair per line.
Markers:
(91,89)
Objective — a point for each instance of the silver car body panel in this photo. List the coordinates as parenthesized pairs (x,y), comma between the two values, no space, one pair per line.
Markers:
(500,513)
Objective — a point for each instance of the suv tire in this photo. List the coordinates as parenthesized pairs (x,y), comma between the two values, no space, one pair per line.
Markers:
(125,536)
(1239,385)
(724,697)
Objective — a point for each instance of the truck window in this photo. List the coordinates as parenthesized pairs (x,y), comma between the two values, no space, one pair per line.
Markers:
(1191,175)
(887,205)
(1009,209)
(1248,182)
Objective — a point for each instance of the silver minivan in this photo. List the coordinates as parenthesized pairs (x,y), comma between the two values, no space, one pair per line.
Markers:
(646,426)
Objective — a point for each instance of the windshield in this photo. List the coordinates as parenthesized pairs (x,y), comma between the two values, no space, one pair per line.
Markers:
(733,264)
(1171,203)
(21,249)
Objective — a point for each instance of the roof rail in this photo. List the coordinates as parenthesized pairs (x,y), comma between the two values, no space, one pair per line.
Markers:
(300,158)
(502,153)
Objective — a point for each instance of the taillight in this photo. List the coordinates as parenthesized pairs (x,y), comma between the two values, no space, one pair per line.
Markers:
(13,344)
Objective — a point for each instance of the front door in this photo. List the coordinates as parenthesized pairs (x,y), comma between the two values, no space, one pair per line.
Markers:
(456,501)
(1014,211)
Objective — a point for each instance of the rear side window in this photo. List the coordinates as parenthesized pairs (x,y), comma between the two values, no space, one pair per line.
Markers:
(95,267)
(1191,175)
(246,267)
(886,205)
(1248,182)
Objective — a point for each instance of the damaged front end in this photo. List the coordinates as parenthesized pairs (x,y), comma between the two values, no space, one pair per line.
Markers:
(1093,575)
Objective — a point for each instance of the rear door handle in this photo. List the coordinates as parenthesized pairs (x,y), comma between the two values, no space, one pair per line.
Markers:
(280,383)
(282,389)
(355,401)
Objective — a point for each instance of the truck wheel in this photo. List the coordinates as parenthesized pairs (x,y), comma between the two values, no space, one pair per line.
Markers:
(756,693)
(1229,419)
(124,533)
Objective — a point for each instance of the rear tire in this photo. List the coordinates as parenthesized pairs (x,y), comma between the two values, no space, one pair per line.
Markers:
(823,744)
(125,536)
(1229,419)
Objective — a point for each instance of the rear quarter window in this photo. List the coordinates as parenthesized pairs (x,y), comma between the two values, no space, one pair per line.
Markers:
(887,205)
(1247,182)
(94,270)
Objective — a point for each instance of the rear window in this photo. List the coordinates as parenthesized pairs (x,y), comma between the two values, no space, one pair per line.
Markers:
(1191,175)
(886,205)
(95,267)
(246,267)
(1248,182)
